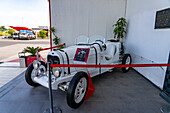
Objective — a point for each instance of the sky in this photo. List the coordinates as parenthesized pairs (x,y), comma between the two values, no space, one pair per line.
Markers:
(24,13)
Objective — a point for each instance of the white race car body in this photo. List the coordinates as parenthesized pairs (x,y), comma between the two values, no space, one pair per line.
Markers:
(76,80)
(96,52)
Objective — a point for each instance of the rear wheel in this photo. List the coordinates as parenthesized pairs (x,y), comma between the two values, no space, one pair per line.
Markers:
(77,89)
(126,61)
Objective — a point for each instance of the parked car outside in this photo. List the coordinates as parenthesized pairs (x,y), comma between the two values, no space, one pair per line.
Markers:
(25,34)
(31,36)
(10,36)
(22,35)
(15,36)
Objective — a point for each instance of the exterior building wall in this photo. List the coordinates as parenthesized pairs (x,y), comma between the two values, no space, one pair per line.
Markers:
(146,44)
(72,18)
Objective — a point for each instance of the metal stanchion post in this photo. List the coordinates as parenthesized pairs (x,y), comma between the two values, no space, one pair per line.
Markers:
(37,55)
(51,109)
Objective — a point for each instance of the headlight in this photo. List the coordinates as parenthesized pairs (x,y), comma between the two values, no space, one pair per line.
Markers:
(35,64)
(56,71)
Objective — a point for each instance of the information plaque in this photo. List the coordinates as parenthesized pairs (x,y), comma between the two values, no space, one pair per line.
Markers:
(82,54)
(162,20)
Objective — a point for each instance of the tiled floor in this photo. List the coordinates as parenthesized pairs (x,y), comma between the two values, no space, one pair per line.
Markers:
(8,71)
(115,92)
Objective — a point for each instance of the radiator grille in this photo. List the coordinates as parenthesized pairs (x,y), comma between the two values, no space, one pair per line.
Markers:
(53,59)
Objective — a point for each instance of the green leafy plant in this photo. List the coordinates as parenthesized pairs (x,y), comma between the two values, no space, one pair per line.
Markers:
(6,34)
(1,34)
(61,47)
(11,31)
(31,50)
(119,31)
(2,28)
(56,39)
(120,28)
(42,34)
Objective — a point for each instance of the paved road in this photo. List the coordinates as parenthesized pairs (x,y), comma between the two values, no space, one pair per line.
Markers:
(7,42)
(9,48)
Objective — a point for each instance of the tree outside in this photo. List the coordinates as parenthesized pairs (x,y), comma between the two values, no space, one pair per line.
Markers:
(2,28)
(42,34)
(11,31)
(1,34)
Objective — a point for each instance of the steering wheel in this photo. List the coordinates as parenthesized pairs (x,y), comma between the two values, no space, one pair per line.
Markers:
(103,44)
(98,45)
(99,41)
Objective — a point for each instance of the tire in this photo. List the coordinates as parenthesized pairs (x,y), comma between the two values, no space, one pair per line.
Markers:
(28,73)
(74,87)
(124,61)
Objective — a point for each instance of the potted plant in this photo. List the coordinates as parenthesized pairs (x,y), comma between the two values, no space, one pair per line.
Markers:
(32,51)
(119,31)
(56,39)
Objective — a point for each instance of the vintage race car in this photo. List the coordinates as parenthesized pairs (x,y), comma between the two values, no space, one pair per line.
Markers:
(74,80)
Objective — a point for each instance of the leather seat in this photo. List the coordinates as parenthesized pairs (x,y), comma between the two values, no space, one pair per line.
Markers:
(110,51)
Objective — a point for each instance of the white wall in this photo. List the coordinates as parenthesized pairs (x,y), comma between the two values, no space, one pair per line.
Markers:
(72,18)
(139,6)
(146,44)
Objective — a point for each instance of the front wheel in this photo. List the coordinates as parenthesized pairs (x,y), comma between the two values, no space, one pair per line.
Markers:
(77,89)
(29,75)
(126,61)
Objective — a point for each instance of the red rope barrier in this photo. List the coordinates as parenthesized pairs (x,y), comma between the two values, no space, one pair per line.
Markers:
(106,66)
(41,57)
(95,66)
(51,47)
(47,49)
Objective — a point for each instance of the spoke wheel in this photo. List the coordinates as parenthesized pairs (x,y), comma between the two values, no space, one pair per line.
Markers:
(30,73)
(126,61)
(77,89)
(80,90)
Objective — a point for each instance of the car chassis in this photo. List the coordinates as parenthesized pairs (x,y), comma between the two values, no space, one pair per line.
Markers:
(76,80)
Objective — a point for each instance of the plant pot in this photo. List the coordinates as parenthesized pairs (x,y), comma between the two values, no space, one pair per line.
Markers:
(113,40)
(30,59)
(22,59)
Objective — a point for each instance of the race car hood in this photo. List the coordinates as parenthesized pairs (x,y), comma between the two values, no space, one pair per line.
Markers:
(71,52)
